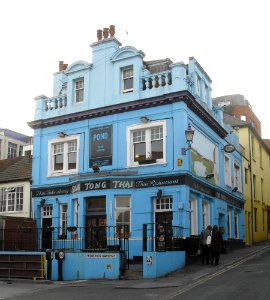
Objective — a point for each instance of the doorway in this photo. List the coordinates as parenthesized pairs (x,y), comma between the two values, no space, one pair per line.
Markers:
(95,223)
(163,230)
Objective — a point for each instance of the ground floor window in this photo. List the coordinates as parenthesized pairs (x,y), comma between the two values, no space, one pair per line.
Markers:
(63,220)
(236,224)
(122,213)
(229,222)
(193,216)
(206,213)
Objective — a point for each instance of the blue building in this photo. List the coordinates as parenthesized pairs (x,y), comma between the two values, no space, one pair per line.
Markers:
(110,150)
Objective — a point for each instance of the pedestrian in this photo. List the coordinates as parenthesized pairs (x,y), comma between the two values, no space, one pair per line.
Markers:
(216,245)
(205,248)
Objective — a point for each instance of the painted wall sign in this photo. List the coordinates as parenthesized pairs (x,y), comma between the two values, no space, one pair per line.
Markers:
(122,184)
(137,184)
(100,255)
(154,182)
(101,146)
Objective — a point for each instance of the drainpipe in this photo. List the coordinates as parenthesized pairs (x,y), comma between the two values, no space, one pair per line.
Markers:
(251,185)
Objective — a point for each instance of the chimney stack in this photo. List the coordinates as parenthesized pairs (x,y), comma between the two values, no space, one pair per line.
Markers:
(99,34)
(105,33)
(62,66)
(112,31)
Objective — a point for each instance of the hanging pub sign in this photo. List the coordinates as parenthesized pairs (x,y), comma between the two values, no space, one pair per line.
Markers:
(101,146)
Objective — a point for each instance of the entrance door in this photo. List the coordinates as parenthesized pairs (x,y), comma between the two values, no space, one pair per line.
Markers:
(163,230)
(46,233)
(96,232)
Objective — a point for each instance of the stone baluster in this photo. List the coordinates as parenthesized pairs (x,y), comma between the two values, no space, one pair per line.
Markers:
(147,83)
(166,78)
(160,80)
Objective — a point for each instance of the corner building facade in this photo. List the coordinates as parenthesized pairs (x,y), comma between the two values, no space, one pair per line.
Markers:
(110,148)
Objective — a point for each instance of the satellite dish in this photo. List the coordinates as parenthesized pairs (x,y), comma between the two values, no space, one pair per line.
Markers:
(229,148)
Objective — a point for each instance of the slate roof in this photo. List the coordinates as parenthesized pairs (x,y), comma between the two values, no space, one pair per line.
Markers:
(156,66)
(16,169)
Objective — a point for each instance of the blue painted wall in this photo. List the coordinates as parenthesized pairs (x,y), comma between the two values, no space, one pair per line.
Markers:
(158,264)
(102,79)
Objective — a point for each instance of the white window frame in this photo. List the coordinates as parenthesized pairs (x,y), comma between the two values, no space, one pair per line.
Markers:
(11,199)
(193,216)
(147,127)
(78,90)
(65,141)
(76,212)
(237,176)
(124,90)
(47,211)
(12,150)
(206,213)
(63,219)
(163,204)
(122,209)
(227,171)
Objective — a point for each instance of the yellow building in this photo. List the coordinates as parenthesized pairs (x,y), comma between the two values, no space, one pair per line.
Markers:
(256,165)
(256,172)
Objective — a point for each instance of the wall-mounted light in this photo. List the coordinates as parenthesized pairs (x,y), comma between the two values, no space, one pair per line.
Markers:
(189,133)
(42,202)
(144,119)
(62,134)
(235,189)
(209,176)
(95,168)
(159,194)
(229,148)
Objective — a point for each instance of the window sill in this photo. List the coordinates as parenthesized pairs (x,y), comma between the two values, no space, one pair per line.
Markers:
(62,174)
(147,161)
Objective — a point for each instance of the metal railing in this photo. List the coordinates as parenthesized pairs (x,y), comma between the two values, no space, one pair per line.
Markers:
(71,239)
(162,237)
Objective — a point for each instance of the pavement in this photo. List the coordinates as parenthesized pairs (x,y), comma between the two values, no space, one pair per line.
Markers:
(197,273)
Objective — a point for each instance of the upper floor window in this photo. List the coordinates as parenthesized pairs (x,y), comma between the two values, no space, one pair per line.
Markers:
(146,144)
(243,117)
(253,147)
(237,176)
(261,156)
(11,199)
(127,80)
(227,170)
(205,93)
(63,156)
(206,213)
(12,150)
(79,90)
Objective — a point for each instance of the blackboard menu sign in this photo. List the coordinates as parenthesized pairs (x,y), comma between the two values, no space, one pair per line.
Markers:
(161,234)
(101,146)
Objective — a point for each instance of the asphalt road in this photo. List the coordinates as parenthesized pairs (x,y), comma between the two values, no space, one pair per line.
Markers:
(246,279)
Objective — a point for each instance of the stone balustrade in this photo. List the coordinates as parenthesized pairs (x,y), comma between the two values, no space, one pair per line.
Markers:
(156,80)
(55,102)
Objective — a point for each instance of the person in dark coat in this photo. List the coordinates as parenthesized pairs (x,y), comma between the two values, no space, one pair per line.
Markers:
(205,249)
(216,245)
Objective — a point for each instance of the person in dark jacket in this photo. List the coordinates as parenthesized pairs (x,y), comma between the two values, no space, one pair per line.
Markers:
(205,249)
(216,245)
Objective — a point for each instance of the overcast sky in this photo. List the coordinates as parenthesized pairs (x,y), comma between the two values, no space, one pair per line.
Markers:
(229,38)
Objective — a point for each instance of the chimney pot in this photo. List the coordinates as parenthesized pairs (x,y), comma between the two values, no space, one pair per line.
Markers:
(112,31)
(105,33)
(99,34)
(62,66)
